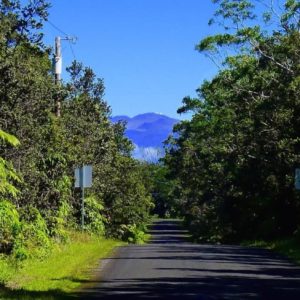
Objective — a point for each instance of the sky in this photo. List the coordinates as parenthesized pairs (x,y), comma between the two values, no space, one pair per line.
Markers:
(143,49)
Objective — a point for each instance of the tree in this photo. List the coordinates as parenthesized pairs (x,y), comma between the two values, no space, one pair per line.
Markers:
(235,159)
(7,172)
(52,147)
(93,139)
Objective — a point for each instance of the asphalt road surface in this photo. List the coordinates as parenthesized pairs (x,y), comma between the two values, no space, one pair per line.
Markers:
(170,267)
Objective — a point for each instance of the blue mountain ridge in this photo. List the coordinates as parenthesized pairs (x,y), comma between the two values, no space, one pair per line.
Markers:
(147,131)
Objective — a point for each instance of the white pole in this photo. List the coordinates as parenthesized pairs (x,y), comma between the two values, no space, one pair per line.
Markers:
(57,70)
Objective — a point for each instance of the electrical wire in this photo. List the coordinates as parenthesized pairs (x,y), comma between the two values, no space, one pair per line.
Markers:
(57,28)
(72,50)
(66,35)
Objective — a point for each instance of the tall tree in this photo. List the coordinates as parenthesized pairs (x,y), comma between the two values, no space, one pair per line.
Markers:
(235,159)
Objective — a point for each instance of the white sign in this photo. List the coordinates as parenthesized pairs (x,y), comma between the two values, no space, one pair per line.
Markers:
(83,177)
(297,179)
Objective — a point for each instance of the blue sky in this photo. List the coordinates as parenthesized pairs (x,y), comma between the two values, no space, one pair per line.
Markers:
(143,49)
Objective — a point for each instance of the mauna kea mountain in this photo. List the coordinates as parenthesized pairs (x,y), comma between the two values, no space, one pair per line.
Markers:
(148,132)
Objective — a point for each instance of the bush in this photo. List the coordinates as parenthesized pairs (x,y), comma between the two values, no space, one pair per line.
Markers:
(94,219)
(204,224)
(9,226)
(60,224)
(133,234)
(33,239)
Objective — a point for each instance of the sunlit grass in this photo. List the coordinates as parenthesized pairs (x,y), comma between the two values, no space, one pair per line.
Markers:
(288,247)
(63,271)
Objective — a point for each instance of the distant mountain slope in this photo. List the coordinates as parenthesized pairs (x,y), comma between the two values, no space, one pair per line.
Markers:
(119,118)
(148,132)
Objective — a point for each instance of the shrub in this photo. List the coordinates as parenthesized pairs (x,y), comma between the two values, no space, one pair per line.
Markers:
(33,239)
(93,215)
(133,234)
(9,226)
(61,223)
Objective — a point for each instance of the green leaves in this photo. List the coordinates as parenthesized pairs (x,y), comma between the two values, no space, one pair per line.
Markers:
(234,160)
(9,225)
(51,148)
(211,43)
(235,10)
(291,16)
(95,219)
(8,138)
(7,172)
(7,175)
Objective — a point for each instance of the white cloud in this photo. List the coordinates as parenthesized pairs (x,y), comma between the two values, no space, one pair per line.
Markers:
(149,154)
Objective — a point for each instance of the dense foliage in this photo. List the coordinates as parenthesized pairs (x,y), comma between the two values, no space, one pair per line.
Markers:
(38,202)
(235,160)
(162,189)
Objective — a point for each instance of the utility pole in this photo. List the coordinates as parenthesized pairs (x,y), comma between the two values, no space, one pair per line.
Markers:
(58,67)
(57,72)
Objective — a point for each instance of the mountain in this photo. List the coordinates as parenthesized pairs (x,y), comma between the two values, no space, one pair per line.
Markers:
(148,132)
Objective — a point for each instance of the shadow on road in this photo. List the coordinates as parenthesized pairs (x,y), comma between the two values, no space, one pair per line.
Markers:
(172,268)
(195,288)
(168,232)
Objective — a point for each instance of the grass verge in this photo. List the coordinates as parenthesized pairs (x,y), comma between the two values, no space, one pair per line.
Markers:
(58,275)
(288,247)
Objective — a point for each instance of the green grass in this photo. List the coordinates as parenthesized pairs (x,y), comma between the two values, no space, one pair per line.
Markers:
(288,247)
(58,275)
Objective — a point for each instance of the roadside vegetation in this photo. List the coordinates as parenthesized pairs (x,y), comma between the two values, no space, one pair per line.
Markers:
(40,210)
(234,161)
(289,247)
(63,270)
(228,171)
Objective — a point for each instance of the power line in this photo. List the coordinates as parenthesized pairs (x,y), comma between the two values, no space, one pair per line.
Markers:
(72,50)
(57,28)
(67,37)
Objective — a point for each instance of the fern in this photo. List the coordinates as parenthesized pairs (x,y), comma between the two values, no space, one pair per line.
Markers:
(8,138)
(7,172)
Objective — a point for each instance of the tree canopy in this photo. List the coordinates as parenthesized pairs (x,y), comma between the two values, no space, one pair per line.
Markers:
(37,176)
(235,159)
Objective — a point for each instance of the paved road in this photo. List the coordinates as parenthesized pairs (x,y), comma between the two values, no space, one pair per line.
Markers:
(169,267)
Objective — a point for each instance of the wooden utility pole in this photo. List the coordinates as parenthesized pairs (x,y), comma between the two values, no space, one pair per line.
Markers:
(57,72)
(58,67)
